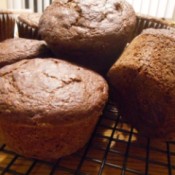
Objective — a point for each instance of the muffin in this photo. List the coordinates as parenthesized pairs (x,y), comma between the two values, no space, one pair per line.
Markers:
(89,33)
(7,24)
(49,107)
(145,21)
(28,25)
(144,82)
(16,49)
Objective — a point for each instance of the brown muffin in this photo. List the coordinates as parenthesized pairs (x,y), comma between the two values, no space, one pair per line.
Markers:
(28,25)
(49,107)
(145,21)
(90,33)
(12,50)
(144,82)
(7,24)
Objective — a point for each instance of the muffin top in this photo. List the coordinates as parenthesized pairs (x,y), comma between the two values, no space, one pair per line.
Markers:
(12,50)
(77,20)
(155,57)
(170,33)
(31,19)
(50,91)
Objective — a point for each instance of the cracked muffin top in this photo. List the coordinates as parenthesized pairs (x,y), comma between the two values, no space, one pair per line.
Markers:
(88,30)
(75,18)
(50,91)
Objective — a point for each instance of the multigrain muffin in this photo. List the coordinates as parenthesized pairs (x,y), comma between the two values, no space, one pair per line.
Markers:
(144,82)
(87,32)
(49,107)
(7,24)
(13,50)
(28,25)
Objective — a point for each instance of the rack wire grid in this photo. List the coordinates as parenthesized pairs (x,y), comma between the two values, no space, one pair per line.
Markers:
(115,148)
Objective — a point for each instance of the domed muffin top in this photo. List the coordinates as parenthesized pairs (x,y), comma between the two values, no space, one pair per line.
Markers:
(50,91)
(12,50)
(74,19)
(31,19)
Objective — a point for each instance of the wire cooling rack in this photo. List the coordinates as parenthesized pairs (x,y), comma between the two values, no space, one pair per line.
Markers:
(115,148)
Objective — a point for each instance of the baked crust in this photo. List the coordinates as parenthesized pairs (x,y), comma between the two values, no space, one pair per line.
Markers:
(50,91)
(49,105)
(144,82)
(13,50)
(91,33)
(30,19)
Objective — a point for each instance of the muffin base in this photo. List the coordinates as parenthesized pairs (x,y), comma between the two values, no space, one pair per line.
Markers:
(25,31)
(47,141)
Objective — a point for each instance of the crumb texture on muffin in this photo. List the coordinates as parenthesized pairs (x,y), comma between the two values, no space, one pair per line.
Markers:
(144,83)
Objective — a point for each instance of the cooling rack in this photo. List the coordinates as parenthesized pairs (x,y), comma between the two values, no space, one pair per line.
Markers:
(115,148)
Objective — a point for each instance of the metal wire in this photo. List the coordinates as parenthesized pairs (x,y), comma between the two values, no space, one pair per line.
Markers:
(54,168)
(110,116)
(9,165)
(127,152)
(169,159)
(108,147)
(147,157)
(31,167)
(77,171)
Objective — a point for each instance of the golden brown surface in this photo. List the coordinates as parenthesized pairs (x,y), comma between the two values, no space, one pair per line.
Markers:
(13,50)
(44,101)
(51,91)
(91,33)
(144,82)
